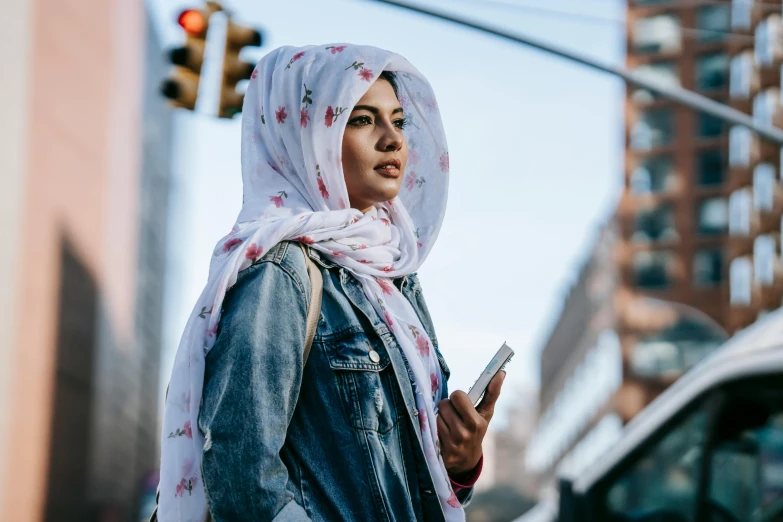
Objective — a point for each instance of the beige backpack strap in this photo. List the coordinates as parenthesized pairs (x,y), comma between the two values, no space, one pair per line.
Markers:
(314,308)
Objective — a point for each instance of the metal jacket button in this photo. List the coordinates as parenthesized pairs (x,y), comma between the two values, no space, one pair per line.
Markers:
(374,357)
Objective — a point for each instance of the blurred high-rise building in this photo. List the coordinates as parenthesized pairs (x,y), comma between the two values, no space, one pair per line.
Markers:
(82,225)
(693,251)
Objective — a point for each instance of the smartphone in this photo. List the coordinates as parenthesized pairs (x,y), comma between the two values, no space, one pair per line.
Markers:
(497,363)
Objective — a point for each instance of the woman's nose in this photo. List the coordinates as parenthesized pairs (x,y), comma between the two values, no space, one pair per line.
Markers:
(391,139)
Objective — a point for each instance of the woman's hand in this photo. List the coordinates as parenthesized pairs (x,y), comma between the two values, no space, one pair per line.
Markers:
(461,427)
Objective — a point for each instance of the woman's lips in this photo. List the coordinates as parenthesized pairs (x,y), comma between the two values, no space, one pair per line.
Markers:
(388,172)
(389,168)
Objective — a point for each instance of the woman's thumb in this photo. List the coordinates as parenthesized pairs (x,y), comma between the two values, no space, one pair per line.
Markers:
(486,407)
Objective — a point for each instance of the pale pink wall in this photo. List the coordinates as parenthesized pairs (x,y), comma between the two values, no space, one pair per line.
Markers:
(82,174)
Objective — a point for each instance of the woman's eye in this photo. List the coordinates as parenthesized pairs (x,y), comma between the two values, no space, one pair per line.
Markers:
(401,123)
(361,121)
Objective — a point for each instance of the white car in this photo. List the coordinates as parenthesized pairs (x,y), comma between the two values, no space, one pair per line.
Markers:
(709,449)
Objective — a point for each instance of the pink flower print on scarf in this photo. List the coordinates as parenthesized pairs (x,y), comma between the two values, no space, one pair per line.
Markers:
(185,430)
(366,75)
(303,117)
(329,116)
(304,239)
(337,49)
(434,382)
(386,222)
(413,157)
(231,243)
(321,185)
(281,115)
(453,501)
(296,58)
(423,421)
(385,285)
(253,252)
(186,485)
(444,162)
(278,200)
(388,319)
(422,345)
(332,114)
(189,479)
(410,180)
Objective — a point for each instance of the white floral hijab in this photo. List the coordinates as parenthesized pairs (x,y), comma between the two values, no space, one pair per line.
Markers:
(294,116)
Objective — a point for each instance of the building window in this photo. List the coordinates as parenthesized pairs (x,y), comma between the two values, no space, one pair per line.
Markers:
(675,348)
(651,269)
(653,129)
(764,105)
(767,40)
(740,141)
(664,73)
(657,34)
(781,231)
(655,225)
(740,14)
(740,276)
(739,212)
(710,126)
(711,166)
(712,71)
(764,186)
(708,267)
(714,21)
(740,75)
(654,174)
(764,260)
(713,216)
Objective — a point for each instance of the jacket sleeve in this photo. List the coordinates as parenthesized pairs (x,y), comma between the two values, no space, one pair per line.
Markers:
(251,386)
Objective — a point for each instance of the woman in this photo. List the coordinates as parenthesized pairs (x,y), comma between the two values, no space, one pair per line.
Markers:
(352,434)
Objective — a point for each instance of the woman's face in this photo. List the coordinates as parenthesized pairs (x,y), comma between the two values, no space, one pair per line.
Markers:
(374,150)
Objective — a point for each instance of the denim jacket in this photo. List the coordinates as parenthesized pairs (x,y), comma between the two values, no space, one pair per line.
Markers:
(337,439)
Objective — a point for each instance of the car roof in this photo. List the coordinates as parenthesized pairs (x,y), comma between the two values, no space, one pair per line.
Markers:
(756,350)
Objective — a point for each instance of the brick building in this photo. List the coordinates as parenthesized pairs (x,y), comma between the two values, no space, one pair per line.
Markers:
(78,355)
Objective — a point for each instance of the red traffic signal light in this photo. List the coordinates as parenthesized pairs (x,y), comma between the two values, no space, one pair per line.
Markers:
(193,22)
(182,85)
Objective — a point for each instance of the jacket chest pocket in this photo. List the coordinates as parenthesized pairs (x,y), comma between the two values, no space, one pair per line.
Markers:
(365,381)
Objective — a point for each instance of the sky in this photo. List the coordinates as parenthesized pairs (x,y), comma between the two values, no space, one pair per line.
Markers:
(536,150)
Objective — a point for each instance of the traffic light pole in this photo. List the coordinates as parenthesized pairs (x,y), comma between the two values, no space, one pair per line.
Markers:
(678,94)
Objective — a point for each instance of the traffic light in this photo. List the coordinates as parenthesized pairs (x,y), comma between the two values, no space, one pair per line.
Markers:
(234,69)
(181,87)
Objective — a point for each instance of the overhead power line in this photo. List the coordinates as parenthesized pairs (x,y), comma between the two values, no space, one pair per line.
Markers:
(583,17)
(671,5)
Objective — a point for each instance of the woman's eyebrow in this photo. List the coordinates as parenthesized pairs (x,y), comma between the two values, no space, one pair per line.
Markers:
(374,110)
